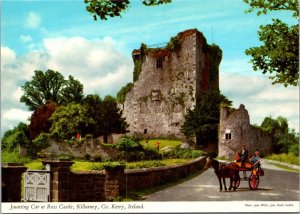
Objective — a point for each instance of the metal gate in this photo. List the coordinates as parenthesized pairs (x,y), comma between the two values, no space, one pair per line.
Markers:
(37,185)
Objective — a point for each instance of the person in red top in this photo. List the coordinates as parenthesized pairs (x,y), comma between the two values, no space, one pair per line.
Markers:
(157,145)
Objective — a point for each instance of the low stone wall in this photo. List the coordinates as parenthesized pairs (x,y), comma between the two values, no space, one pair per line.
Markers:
(93,186)
(87,186)
(143,178)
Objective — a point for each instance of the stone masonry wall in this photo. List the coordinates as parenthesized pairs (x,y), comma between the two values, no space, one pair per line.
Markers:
(93,186)
(237,124)
(156,104)
(87,186)
(137,179)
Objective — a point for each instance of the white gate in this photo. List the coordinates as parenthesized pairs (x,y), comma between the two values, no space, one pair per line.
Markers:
(37,185)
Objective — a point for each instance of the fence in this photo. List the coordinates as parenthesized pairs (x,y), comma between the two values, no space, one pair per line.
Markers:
(37,185)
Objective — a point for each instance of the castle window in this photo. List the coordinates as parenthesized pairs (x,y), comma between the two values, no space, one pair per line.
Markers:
(159,63)
(145,131)
(227,134)
(155,95)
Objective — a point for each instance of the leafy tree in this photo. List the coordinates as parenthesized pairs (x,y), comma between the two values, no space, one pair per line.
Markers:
(105,117)
(279,53)
(112,121)
(72,92)
(68,121)
(289,142)
(93,104)
(283,139)
(112,8)
(50,86)
(202,122)
(121,95)
(39,120)
(15,136)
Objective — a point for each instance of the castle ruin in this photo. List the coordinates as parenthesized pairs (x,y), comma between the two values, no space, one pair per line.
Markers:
(168,81)
(236,130)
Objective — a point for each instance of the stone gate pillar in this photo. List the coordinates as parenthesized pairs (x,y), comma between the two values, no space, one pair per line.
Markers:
(11,181)
(59,179)
(114,181)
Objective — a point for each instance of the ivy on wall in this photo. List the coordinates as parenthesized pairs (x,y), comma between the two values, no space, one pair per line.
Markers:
(137,69)
(215,57)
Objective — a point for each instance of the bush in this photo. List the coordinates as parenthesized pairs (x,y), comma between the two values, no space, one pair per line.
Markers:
(183,153)
(128,144)
(132,150)
(145,164)
(113,165)
(18,135)
(39,143)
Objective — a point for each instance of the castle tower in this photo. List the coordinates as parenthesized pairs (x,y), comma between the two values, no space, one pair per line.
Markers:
(168,81)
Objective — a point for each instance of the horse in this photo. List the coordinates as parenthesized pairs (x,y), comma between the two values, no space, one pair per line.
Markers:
(223,171)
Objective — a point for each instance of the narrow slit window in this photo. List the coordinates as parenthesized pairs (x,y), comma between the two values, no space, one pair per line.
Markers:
(159,63)
(227,134)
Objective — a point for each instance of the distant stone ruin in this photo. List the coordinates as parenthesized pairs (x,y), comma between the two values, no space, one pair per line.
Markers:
(168,81)
(236,130)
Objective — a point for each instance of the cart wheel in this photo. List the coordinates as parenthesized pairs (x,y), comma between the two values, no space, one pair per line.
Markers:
(253,181)
(236,182)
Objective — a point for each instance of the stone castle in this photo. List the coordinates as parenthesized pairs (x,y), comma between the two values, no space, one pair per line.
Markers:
(168,81)
(235,130)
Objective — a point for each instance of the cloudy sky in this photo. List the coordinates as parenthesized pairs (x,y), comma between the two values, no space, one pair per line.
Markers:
(62,36)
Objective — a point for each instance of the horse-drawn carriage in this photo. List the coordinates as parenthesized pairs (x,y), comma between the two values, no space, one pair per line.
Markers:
(231,170)
(253,178)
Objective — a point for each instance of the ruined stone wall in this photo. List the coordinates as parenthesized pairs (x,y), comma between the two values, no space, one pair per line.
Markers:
(156,104)
(235,124)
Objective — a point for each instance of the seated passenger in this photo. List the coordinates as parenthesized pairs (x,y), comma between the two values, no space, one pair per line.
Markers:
(255,160)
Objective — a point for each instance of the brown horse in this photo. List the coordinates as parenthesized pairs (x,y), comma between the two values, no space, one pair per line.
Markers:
(223,171)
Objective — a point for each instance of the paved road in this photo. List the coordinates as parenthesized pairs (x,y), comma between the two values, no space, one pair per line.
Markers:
(276,185)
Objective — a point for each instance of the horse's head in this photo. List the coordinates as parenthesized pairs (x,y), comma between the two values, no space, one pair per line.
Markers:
(208,163)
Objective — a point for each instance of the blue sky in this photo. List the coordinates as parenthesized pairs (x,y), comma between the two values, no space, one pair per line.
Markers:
(62,36)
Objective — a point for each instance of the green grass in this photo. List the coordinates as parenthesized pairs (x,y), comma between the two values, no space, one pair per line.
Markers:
(13,157)
(86,166)
(163,143)
(286,158)
(286,167)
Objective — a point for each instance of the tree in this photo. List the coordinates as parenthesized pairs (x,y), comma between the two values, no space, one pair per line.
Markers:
(93,105)
(202,122)
(112,121)
(15,136)
(69,120)
(39,121)
(112,8)
(50,86)
(283,139)
(280,50)
(72,91)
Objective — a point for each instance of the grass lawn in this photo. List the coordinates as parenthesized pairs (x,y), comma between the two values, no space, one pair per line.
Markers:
(87,165)
(163,143)
(286,158)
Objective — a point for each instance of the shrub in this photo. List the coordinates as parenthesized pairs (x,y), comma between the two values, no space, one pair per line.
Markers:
(145,164)
(128,144)
(183,153)
(39,143)
(113,165)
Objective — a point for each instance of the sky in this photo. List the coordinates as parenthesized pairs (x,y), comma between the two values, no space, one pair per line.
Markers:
(62,36)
